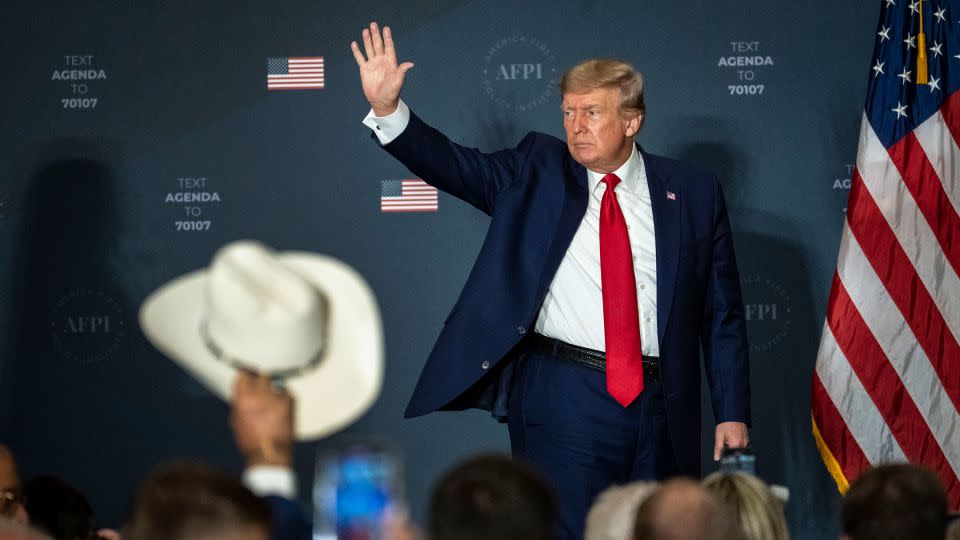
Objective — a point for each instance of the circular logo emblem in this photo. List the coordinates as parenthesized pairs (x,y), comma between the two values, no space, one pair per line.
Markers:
(768,310)
(87,326)
(519,73)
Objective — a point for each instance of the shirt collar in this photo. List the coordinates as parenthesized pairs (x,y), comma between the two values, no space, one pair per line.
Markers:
(629,172)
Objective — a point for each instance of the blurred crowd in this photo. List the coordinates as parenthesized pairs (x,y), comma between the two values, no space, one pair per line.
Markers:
(486,497)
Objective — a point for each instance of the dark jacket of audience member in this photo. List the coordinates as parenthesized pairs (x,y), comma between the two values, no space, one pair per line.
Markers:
(491,497)
(895,502)
(186,501)
(289,521)
(57,508)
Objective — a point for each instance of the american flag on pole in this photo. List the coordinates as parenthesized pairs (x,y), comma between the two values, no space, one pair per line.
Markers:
(887,381)
(294,73)
(407,196)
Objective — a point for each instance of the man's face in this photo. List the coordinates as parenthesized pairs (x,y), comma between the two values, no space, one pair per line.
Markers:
(598,136)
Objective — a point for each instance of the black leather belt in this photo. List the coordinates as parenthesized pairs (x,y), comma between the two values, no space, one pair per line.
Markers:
(586,357)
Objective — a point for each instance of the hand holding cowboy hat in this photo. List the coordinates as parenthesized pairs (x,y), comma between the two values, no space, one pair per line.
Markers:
(307,322)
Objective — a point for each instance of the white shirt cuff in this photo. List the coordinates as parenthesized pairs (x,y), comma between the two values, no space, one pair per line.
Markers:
(271,480)
(391,126)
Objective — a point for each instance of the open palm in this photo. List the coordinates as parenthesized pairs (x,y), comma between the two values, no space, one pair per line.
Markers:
(380,76)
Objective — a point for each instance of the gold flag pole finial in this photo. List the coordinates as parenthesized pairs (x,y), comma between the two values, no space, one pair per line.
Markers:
(922,72)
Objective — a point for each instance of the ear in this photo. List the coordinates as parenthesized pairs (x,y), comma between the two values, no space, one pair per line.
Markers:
(633,125)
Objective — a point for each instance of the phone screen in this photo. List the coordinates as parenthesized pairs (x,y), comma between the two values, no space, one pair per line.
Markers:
(353,488)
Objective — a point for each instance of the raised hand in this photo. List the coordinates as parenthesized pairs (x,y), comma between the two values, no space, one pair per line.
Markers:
(262,421)
(380,76)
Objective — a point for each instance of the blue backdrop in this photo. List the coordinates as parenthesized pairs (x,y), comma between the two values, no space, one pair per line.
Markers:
(111,111)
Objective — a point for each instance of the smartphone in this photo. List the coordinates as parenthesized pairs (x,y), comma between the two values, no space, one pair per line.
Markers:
(354,485)
(738,460)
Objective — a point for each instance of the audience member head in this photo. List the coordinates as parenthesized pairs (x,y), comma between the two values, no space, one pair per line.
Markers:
(186,501)
(8,469)
(57,508)
(683,510)
(14,530)
(751,503)
(491,497)
(895,501)
(11,498)
(614,513)
(953,532)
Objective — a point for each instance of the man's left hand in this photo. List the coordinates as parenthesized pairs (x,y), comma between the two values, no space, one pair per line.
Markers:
(731,435)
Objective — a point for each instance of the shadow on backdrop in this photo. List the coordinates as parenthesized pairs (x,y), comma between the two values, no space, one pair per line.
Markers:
(784,335)
(87,399)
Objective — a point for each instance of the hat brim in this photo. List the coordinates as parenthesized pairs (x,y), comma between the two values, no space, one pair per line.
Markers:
(329,397)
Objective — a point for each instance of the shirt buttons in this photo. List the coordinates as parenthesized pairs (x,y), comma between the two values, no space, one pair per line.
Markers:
(520,330)
(642,286)
(634,257)
(648,319)
(485,365)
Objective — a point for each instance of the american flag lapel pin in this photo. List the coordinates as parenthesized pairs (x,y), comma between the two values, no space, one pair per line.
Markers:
(671,195)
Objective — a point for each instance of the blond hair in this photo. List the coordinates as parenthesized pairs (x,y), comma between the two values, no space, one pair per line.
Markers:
(613,513)
(758,512)
(598,73)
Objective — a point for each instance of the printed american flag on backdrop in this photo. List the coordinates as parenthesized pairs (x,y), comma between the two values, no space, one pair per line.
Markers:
(407,196)
(295,73)
(887,381)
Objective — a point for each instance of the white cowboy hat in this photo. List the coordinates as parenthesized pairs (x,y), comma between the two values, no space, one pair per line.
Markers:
(308,321)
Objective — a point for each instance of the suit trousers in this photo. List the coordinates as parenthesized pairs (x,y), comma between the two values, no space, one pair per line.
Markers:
(563,421)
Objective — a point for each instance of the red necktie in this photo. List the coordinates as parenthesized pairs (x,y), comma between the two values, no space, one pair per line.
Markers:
(621,317)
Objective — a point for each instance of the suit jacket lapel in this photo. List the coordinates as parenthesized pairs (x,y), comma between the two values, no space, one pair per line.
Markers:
(573,207)
(666,223)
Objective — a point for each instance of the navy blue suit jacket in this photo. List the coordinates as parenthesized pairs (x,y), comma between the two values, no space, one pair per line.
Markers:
(536,195)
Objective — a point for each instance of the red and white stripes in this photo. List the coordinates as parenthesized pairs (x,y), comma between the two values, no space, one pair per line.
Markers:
(887,381)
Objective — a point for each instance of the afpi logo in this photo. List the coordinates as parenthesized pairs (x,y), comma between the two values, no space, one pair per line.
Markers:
(519,73)
(524,72)
(768,310)
(87,326)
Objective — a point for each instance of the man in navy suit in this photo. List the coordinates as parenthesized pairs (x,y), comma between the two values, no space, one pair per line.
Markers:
(604,274)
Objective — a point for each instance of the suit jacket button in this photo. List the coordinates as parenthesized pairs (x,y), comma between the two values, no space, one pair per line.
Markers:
(485,365)
(521,330)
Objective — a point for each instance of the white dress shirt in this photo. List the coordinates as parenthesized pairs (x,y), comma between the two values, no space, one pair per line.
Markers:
(573,308)
(389,127)
(572,311)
